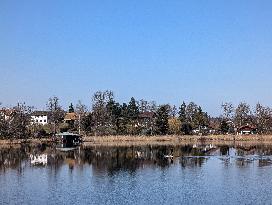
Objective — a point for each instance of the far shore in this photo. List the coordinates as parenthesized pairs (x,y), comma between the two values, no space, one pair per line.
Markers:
(150,140)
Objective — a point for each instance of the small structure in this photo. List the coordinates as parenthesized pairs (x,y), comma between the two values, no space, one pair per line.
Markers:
(69,139)
(246,130)
(39,117)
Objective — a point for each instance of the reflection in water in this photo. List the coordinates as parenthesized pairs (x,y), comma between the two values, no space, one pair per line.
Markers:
(111,160)
(40,159)
(183,174)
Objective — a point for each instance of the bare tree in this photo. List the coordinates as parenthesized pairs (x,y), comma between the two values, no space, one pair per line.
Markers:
(19,121)
(81,111)
(242,114)
(263,119)
(4,126)
(173,111)
(99,110)
(55,111)
(143,106)
(152,106)
(228,111)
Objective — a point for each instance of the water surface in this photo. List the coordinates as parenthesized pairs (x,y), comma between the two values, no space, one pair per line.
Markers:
(196,174)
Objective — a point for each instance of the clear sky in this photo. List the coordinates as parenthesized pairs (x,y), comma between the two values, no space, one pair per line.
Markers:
(163,50)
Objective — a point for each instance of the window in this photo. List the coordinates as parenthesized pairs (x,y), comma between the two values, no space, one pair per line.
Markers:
(44,120)
(40,120)
(37,121)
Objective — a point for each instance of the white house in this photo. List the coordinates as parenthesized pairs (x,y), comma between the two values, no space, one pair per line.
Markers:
(39,117)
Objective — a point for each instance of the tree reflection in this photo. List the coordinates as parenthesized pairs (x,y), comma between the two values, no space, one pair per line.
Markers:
(112,160)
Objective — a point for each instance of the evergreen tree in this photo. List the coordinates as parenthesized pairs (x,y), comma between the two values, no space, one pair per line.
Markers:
(182,113)
(224,127)
(114,111)
(124,120)
(71,108)
(200,119)
(186,128)
(162,116)
(132,117)
(191,114)
(133,109)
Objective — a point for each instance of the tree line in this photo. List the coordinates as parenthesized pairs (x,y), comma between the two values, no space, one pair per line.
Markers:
(106,116)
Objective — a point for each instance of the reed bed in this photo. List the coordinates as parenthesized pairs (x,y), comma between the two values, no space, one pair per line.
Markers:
(177,138)
(166,139)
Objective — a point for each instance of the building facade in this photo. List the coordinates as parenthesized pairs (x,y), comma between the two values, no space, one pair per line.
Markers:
(39,117)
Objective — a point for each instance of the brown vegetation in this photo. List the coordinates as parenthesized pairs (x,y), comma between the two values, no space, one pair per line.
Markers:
(153,140)
(174,139)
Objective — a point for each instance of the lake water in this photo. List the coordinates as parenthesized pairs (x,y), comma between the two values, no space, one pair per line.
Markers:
(197,174)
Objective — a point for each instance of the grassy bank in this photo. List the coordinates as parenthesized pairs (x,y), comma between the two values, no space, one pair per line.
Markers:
(174,139)
(167,139)
(21,141)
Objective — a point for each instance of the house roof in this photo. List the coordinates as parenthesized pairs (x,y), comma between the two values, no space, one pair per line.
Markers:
(146,114)
(67,134)
(70,116)
(247,127)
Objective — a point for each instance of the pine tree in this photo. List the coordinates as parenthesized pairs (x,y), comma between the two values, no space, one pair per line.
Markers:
(224,127)
(114,111)
(162,116)
(123,121)
(71,108)
(133,109)
(182,113)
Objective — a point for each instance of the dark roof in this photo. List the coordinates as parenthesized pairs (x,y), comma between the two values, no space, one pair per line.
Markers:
(146,114)
(67,134)
(40,113)
(247,127)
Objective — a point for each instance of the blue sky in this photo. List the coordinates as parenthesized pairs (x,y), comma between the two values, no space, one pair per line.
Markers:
(168,51)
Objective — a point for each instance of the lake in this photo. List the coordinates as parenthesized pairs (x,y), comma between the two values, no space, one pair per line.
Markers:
(161,174)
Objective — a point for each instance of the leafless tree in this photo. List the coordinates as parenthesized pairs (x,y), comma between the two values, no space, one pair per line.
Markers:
(143,105)
(56,112)
(263,119)
(228,111)
(81,111)
(152,106)
(19,122)
(242,114)
(99,110)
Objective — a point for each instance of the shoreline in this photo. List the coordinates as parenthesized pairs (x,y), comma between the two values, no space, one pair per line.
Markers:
(147,140)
